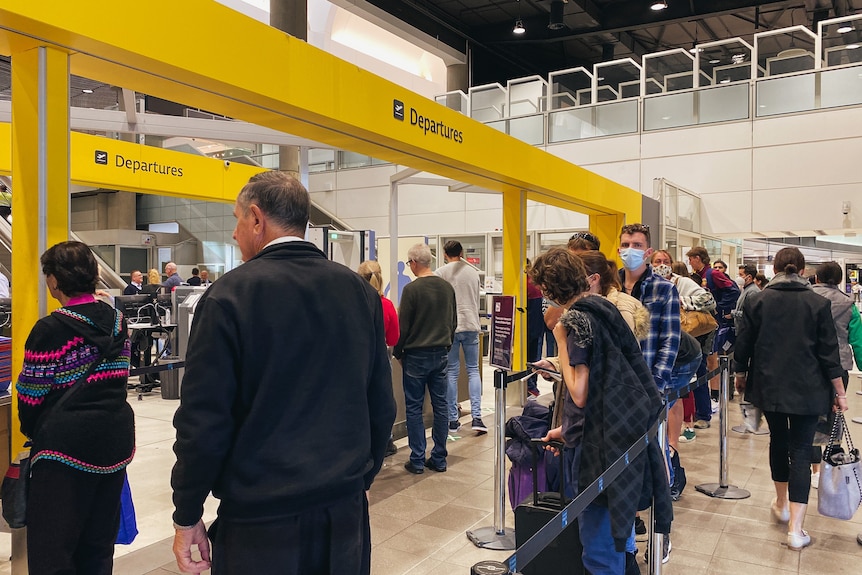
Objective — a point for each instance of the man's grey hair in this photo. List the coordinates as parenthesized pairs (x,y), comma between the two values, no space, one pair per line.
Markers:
(280,197)
(421,254)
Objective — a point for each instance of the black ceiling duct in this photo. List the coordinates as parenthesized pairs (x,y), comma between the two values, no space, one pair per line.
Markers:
(556,21)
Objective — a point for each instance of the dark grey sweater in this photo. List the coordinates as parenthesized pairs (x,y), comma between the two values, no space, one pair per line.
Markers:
(427,314)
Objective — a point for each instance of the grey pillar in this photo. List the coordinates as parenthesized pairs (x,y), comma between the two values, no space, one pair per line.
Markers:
(290,16)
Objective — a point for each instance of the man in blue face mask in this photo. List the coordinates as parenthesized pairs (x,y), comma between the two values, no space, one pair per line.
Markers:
(661,299)
(658,295)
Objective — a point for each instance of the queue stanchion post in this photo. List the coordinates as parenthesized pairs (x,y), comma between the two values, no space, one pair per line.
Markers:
(496,536)
(656,540)
(722,489)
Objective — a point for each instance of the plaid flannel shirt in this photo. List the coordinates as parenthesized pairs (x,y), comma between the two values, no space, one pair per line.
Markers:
(661,299)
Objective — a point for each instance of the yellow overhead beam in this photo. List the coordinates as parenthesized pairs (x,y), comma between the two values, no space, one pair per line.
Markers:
(289,85)
(117,165)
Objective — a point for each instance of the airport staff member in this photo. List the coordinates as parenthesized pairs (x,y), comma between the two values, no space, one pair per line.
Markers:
(291,478)
(134,288)
(174,278)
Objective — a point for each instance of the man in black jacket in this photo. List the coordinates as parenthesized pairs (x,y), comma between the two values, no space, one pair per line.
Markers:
(286,404)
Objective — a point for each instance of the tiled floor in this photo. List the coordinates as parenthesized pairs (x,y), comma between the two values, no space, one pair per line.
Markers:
(419,522)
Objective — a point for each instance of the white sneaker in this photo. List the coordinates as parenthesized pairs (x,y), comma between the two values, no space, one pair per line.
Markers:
(715,405)
(815,480)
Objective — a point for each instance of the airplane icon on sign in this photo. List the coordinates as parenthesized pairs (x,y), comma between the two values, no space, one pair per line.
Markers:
(101,157)
(398,109)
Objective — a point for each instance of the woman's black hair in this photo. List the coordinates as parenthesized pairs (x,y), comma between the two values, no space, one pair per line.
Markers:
(73,266)
(829,273)
(788,260)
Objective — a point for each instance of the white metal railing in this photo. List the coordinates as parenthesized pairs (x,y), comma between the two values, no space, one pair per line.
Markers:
(730,80)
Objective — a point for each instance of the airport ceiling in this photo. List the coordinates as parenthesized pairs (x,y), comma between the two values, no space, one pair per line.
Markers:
(592,31)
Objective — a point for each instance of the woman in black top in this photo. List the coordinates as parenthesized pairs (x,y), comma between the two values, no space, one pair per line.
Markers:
(786,362)
(81,448)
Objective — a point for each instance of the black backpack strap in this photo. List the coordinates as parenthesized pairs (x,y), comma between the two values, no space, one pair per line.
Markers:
(65,397)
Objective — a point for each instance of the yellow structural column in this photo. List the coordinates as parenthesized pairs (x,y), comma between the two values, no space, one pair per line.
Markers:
(40,189)
(607,229)
(514,280)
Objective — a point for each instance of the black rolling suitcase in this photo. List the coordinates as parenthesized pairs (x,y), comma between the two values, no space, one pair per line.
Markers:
(563,555)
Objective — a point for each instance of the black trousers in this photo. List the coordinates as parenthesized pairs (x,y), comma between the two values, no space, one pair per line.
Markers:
(790,438)
(72,520)
(328,540)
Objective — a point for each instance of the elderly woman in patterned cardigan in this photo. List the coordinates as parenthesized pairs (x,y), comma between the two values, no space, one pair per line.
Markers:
(80,450)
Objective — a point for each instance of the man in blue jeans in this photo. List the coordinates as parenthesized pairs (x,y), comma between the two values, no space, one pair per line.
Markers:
(427,316)
(464,279)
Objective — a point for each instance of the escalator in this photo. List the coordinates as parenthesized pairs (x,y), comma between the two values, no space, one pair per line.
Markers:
(109,279)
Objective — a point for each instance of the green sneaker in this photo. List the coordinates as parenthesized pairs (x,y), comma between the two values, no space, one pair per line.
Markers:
(688,435)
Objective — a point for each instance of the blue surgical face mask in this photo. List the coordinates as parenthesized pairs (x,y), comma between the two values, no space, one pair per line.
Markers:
(632,258)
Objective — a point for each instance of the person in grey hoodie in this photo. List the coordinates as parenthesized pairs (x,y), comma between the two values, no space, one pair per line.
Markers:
(848,327)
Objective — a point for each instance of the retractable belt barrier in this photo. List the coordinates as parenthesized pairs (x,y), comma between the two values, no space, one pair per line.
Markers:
(544,536)
(156,368)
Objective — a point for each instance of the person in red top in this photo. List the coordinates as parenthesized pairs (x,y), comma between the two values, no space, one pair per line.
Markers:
(370,270)
(726,292)
(535,329)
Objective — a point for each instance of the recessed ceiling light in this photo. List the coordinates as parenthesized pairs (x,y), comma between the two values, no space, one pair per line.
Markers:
(665,117)
(659,5)
(852,46)
(87,91)
(714,61)
(845,28)
(725,81)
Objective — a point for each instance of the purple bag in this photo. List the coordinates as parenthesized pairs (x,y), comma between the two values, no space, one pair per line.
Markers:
(521,482)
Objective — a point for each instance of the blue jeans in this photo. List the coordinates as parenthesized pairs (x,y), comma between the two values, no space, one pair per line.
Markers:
(421,368)
(469,340)
(600,555)
(681,376)
(594,524)
(702,403)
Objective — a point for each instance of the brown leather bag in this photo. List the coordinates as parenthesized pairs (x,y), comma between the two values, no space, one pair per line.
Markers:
(696,323)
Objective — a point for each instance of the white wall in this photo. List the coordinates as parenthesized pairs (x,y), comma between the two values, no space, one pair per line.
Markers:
(770,176)
(788,173)
(360,197)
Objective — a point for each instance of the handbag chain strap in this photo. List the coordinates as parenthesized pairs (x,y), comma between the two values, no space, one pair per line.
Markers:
(840,417)
(835,434)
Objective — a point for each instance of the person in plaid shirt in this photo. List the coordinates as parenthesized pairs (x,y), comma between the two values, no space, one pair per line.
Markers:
(658,295)
(661,299)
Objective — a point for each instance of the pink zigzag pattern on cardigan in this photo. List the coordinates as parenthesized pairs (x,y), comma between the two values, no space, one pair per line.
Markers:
(43,356)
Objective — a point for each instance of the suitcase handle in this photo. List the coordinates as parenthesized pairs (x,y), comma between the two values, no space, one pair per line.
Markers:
(537,441)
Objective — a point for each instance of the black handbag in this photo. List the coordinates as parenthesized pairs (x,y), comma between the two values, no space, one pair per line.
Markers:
(13,490)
